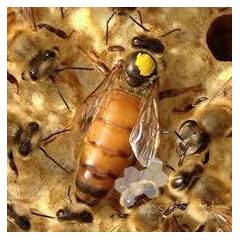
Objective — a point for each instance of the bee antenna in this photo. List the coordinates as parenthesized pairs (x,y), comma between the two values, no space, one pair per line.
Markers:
(140,16)
(139,24)
(107,26)
(41,215)
(171,132)
(180,162)
(170,167)
(66,104)
(172,31)
(33,19)
(75,68)
(48,156)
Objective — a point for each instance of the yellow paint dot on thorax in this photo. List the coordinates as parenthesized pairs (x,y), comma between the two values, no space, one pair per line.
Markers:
(145,64)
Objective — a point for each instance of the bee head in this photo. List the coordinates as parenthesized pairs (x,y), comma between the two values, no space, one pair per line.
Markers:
(192,138)
(63,213)
(185,177)
(40,64)
(140,67)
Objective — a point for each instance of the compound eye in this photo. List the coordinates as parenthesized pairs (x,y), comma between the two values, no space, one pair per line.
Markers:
(140,66)
(63,213)
(25,148)
(49,55)
(181,182)
(33,127)
(34,74)
(23,223)
(86,216)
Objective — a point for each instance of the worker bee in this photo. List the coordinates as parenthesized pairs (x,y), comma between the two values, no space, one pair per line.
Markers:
(212,119)
(196,188)
(198,182)
(206,192)
(125,104)
(69,214)
(196,194)
(161,214)
(23,139)
(36,49)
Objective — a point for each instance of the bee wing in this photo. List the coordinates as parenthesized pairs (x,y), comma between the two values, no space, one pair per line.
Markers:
(145,136)
(223,216)
(89,108)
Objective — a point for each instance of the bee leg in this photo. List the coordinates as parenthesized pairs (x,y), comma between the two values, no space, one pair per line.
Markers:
(116,48)
(140,16)
(168,211)
(47,140)
(139,24)
(170,32)
(53,160)
(74,68)
(107,26)
(170,167)
(59,92)
(33,19)
(53,136)
(13,80)
(178,91)
(94,58)
(62,13)
(183,155)
(69,194)
(12,163)
(58,32)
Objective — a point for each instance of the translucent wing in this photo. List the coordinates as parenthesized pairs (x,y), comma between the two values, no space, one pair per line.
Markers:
(145,136)
(223,216)
(89,108)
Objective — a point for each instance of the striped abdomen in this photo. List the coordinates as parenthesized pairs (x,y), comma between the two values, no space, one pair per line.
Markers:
(106,151)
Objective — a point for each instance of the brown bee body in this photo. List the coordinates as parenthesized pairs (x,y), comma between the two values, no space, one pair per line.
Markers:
(104,156)
(120,122)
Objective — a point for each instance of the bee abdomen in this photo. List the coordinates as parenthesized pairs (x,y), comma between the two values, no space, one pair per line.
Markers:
(106,152)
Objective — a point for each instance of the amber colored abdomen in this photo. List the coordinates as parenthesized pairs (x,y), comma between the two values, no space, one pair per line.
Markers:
(106,149)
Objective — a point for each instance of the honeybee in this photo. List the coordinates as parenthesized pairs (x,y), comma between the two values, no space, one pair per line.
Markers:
(68,214)
(23,140)
(196,193)
(36,49)
(125,104)
(212,119)
(199,180)
(206,192)
(161,214)
(196,189)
